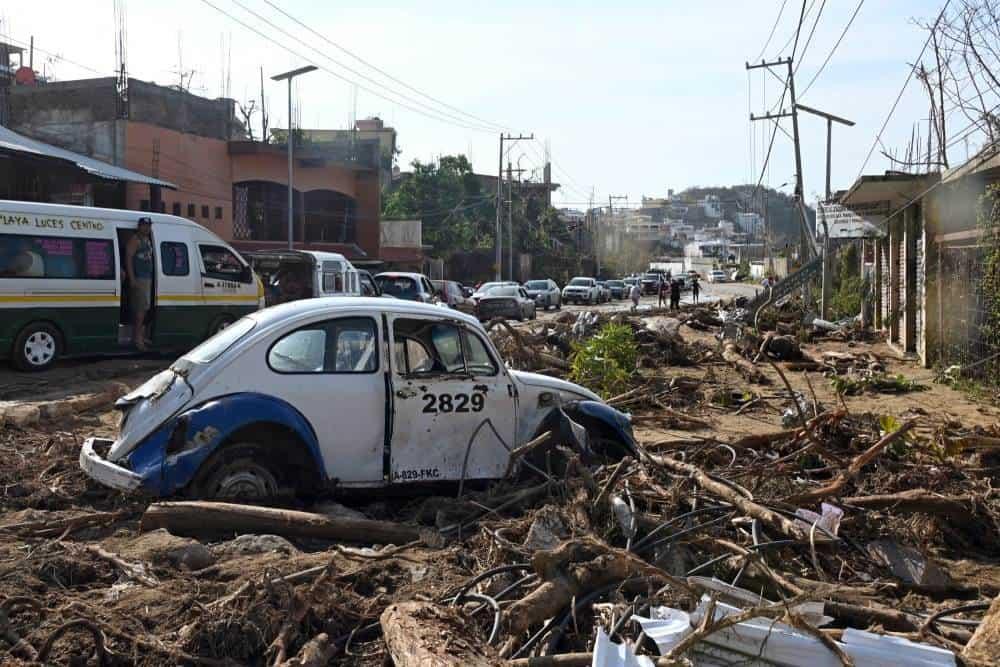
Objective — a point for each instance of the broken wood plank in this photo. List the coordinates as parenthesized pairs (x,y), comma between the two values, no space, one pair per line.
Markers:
(196,518)
(424,634)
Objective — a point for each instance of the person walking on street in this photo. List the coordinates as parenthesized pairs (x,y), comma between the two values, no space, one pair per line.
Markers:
(634,295)
(139,268)
(675,295)
(695,288)
(661,293)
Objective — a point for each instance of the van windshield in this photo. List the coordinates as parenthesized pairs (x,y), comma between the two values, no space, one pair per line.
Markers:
(213,347)
(398,286)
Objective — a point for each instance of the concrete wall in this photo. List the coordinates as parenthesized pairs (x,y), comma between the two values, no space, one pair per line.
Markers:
(192,114)
(199,166)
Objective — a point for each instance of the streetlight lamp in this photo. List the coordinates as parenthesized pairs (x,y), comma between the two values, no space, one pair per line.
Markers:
(282,77)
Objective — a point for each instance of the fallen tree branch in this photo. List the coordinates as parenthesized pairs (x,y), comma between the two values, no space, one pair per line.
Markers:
(836,485)
(917,500)
(200,518)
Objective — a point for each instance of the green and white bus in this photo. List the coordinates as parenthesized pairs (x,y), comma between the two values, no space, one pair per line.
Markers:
(62,290)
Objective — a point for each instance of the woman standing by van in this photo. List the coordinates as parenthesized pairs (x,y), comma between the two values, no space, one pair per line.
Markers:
(139,266)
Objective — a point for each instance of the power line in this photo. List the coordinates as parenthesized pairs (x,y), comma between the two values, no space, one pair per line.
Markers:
(381,71)
(773,28)
(56,56)
(351,70)
(909,76)
(810,37)
(834,49)
(795,36)
(340,76)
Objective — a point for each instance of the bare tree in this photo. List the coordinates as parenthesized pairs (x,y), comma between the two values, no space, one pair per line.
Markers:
(247,110)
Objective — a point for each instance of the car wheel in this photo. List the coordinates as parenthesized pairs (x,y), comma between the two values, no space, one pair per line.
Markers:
(241,476)
(37,347)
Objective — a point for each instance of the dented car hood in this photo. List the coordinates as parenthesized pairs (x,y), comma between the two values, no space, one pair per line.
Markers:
(568,390)
(148,406)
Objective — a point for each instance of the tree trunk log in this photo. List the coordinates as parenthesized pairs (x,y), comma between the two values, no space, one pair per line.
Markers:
(917,500)
(749,372)
(199,518)
(424,634)
(984,647)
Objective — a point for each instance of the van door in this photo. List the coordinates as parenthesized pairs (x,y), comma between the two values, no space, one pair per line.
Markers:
(178,294)
(227,287)
(454,406)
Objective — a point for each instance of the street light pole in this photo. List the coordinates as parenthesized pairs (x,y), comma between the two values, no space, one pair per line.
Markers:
(288,76)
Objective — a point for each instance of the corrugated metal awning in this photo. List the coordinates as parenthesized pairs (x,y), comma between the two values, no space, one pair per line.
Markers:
(12,141)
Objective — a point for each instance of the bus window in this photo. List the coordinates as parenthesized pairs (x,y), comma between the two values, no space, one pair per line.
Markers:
(24,256)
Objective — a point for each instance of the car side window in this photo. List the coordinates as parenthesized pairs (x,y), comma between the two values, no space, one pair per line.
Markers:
(345,345)
(478,357)
(428,347)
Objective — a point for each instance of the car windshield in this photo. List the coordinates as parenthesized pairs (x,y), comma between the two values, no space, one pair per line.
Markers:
(502,291)
(220,342)
(398,286)
(581,282)
(486,287)
(536,284)
(616,283)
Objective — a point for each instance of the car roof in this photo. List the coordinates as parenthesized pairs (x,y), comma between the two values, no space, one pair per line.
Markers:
(333,305)
(400,274)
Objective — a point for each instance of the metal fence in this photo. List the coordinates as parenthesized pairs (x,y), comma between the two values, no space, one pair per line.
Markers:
(963,337)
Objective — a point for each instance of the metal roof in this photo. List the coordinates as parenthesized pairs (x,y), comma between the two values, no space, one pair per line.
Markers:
(12,141)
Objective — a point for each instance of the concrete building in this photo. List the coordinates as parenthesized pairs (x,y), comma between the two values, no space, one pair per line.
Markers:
(365,132)
(929,261)
(234,187)
(750,223)
(711,206)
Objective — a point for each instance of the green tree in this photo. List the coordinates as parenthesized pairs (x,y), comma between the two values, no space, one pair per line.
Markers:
(447,196)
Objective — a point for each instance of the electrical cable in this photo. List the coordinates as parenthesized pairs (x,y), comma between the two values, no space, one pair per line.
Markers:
(496,611)
(833,50)
(342,65)
(703,510)
(909,76)
(340,76)
(773,28)
(812,31)
(381,71)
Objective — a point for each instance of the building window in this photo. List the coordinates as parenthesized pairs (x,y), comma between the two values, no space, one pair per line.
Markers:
(204,211)
(177,208)
(144,205)
(191,211)
(218,213)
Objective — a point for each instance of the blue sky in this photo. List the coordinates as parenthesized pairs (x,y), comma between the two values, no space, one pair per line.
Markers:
(631,97)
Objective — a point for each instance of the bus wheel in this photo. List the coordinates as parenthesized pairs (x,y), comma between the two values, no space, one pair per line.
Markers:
(219,324)
(37,347)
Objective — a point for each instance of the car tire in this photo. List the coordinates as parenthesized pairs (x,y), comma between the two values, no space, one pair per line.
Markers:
(37,347)
(236,472)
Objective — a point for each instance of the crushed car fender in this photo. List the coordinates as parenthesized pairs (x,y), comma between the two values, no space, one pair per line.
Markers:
(172,455)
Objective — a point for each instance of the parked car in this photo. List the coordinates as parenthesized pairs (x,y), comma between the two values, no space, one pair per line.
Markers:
(486,287)
(467,291)
(450,294)
(545,293)
(604,292)
(718,276)
(618,289)
(368,285)
(581,290)
(507,301)
(304,396)
(650,282)
(408,286)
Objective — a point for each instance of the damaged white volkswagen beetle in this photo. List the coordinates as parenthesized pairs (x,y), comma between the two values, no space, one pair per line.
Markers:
(338,392)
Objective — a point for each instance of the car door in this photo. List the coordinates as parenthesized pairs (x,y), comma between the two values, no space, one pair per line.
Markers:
(178,289)
(329,371)
(454,406)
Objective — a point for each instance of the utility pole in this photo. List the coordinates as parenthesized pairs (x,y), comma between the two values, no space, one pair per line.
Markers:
(288,76)
(810,247)
(510,217)
(499,230)
(611,214)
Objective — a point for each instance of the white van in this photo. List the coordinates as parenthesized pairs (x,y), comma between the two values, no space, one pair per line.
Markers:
(290,275)
(62,286)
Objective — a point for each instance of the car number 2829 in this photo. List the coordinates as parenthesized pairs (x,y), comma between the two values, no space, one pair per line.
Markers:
(435,403)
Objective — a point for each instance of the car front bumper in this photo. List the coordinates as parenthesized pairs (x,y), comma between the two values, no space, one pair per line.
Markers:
(107,473)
